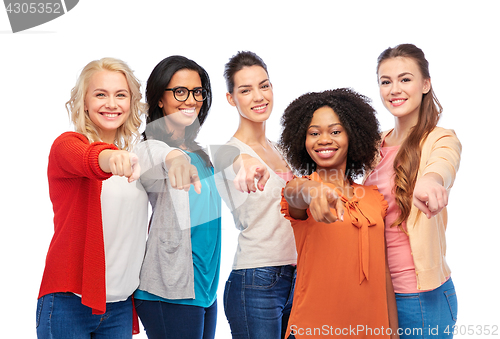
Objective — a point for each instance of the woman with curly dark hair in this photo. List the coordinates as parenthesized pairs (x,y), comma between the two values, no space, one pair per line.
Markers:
(342,276)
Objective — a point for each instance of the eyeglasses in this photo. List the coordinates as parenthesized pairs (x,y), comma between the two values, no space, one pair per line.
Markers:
(182,93)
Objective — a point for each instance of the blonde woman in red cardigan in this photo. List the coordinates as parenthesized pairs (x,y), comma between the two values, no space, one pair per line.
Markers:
(100,214)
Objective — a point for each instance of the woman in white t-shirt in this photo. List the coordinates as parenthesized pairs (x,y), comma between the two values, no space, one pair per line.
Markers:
(100,210)
(251,174)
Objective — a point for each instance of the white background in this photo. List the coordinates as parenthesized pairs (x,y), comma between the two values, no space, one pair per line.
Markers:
(308,46)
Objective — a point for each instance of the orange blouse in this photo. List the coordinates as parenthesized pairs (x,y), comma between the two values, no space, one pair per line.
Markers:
(341,283)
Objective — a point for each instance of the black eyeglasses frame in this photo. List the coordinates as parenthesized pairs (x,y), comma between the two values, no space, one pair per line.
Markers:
(203,91)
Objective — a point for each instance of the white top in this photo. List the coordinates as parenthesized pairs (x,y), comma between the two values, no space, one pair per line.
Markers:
(266,237)
(125,219)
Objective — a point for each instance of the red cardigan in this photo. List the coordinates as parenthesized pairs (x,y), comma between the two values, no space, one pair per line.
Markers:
(75,259)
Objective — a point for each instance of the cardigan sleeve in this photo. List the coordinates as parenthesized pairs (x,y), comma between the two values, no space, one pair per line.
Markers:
(73,156)
(442,153)
(152,154)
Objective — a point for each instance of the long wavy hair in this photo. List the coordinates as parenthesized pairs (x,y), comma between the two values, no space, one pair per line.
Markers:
(127,134)
(155,88)
(407,161)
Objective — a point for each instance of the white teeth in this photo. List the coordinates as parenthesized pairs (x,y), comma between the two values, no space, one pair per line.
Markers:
(188,111)
(110,115)
(257,108)
(326,151)
(398,101)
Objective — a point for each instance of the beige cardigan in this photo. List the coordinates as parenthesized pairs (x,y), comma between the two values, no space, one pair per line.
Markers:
(440,154)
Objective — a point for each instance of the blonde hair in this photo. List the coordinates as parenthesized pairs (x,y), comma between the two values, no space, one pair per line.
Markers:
(127,134)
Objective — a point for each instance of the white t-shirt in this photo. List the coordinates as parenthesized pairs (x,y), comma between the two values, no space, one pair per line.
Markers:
(266,237)
(124,209)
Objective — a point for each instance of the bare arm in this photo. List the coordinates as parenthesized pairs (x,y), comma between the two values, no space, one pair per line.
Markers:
(122,163)
(302,194)
(249,169)
(245,167)
(159,161)
(181,173)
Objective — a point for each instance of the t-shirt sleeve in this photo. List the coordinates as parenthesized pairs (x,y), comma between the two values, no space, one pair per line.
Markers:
(382,201)
(285,207)
(224,156)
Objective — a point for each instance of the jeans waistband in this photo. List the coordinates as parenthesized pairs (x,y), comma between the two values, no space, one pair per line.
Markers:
(448,284)
(285,270)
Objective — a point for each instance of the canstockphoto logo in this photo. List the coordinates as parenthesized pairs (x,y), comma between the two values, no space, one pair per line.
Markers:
(25,14)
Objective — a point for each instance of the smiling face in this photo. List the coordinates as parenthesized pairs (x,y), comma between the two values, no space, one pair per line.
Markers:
(252,94)
(107,102)
(402,86)
(327,141)
(180,114)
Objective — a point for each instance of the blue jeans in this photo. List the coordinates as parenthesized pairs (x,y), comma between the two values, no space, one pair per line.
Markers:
(429,314)
(258,301)
(164,320)
(62,315)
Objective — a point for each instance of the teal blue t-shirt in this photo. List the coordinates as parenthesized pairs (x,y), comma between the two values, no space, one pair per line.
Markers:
(205,213)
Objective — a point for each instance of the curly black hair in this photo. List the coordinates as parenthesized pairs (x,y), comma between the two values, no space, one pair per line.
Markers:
(357,117)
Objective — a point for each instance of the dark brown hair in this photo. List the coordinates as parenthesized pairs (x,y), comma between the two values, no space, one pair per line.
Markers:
(237,62)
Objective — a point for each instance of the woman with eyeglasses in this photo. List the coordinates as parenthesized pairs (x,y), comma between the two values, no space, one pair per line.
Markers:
(177,297)
(259,291)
